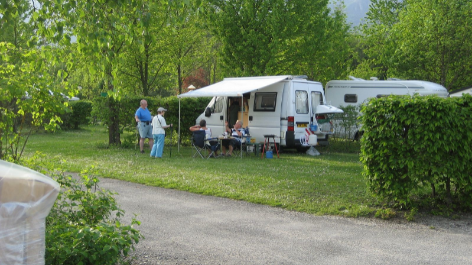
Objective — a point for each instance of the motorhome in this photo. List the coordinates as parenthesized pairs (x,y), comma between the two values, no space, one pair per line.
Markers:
(354,92)
(287,107)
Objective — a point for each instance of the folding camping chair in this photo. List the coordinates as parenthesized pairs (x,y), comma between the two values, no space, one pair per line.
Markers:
(213,145)
(240,147)
(198,142)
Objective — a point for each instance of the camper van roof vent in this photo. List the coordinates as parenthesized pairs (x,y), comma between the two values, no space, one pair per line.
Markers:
(355,78)
(393,79)
(300,76)
(374,78)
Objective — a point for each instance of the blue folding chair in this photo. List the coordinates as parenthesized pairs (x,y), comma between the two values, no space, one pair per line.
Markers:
(213,145)
(198,143)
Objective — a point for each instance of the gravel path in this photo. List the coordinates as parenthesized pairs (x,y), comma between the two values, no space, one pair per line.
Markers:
(186,228)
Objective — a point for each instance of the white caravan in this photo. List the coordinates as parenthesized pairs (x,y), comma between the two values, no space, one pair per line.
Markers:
(342,93)
(284,106)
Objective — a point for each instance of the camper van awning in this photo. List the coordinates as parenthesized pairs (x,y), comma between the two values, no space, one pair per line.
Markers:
(234,87)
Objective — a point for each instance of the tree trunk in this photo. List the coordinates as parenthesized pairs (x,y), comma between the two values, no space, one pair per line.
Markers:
(179,76)
(448,191)
(146,71)
(1,137)
(114,123)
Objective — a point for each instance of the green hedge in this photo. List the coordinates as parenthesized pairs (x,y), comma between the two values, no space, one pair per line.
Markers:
(190,109)
(79,113)
(416,145)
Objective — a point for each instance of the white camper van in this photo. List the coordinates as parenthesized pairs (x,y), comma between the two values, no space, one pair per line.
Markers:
(342,93)
(284,106)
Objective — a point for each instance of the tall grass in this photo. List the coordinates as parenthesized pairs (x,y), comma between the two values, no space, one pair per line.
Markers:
(331,183)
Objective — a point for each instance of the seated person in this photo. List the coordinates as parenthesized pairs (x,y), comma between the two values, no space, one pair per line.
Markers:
(238,133)
(202,126)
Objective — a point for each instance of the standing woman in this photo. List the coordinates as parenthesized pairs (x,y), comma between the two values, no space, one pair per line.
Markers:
(158,133)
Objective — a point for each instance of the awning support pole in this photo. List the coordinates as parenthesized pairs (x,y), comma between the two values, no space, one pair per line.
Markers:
(242,120)
(178,134)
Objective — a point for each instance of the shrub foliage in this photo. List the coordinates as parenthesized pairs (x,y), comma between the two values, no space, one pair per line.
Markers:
(416,144)
(84,227)
(79,114)
(190,108)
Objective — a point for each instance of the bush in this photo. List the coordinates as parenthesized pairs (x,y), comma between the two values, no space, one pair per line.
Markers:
(78,114)
(190,108)
(346,125)
(417,145)
(83,226)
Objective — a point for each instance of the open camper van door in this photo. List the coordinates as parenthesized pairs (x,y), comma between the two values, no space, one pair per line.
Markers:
(306,113)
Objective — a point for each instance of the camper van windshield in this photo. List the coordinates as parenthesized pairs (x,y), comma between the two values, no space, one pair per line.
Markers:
(265,101)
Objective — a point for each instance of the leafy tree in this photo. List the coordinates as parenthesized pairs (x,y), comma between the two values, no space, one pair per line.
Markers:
(324,54)
(89,85)
(198,79)
(262,37)
(435,39)
(103,31)
(189,41)
(28,75)
(13,26)
(145,68)
(376,41)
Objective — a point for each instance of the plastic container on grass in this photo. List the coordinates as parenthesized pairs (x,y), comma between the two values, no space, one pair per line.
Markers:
(26,197)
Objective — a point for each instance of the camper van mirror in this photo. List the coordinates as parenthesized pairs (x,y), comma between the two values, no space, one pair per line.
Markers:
(208,112)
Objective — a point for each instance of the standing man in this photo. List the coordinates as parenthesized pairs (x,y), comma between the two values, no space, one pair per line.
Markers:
(143,118)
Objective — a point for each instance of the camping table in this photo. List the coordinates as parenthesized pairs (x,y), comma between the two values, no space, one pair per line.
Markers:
(256,146)
(225,138)
(267,138)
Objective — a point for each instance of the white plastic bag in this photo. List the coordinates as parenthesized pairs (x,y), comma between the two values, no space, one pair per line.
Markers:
(26,197)
(312,151)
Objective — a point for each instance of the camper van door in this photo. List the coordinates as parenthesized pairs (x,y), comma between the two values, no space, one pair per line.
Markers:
(302,109)
(215,119)
(308,96)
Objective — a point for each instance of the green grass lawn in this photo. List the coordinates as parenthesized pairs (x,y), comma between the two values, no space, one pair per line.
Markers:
(331,183)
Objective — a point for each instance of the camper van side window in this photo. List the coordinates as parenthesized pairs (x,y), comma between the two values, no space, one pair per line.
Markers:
(350,98)
(218,107)
(301,101)
(265,101)
(316,99)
